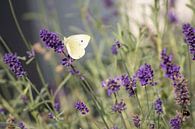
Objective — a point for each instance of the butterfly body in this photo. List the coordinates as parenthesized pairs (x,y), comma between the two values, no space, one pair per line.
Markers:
(76,44)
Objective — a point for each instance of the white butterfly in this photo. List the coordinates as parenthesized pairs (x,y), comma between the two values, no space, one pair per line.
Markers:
(76,44)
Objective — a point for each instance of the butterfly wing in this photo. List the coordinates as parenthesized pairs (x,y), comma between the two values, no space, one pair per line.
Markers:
(81,39)
(74,49)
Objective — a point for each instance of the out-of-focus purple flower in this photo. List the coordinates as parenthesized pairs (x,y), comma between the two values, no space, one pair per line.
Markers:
(50,115)
(31,53)
(21,125)
(108,3)
(74,71)
(136,121)
(52,40)
(145,75)
(119,106)
(14,64)
(81,106)
(67,61)
(182,96)
(176,122)
(2,110)
(171,70)
(172,16)
(112,85)
(189,36)
(129,84)
(158,106)
(57,106)
(115,47)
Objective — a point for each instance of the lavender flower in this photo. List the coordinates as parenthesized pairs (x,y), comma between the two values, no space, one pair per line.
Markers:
(81,107)
(176,122)
(119,106)
(115,47)
(57,106)
(172,17)
(2,110)
(51,115)
(145,75)
(21,125)
(14,64)
(67,61)
(136,121)
(181,91)
(158,106)
(129,84)
(189,36)
(52,40)
(179,82)
(171,70)
(31,53)
(112,85)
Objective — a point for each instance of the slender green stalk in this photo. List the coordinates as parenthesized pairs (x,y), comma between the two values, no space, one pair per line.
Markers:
(61,85)
(139,104)
(158,122)
(190,87)
(17,25)
(5,45)
(147,98)
(46,104)
(123,120)
(97,107)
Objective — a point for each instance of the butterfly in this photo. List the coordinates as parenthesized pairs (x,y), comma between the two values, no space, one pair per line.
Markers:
(76,44)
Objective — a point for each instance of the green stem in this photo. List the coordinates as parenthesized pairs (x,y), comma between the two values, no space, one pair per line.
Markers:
(32,85)
(123,120)
(147,98)
(94,100)
(17,25)
(190,81)
(5,45)
(136,96)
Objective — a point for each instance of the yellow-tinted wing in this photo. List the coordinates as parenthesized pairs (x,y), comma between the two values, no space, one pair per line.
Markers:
(81,39)
(74,49)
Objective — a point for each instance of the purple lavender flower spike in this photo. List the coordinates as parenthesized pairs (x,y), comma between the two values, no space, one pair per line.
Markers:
(21,125)
(57,106)
(129,84)
(145,75)
(136,121)
(51,115)
(171,70)
(81,106)
(158,106)
(176,122)
(189,36)
(119,106)
(67,61)
(112,85)
(14,64)
(172,17)
(115,47)
(52,40)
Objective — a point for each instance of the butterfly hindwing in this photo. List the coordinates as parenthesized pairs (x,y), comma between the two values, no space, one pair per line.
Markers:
(74,49)
(76,45)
